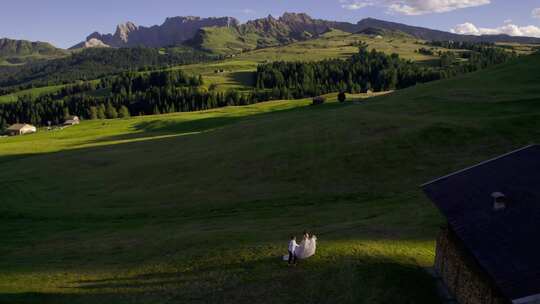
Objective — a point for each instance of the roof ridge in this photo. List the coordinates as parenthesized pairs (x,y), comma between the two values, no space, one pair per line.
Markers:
(478,165)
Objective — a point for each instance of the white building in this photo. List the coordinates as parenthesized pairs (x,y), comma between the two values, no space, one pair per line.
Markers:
(72,120)
(21,129)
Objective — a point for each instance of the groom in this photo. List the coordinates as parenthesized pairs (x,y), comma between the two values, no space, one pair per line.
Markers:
(292,248)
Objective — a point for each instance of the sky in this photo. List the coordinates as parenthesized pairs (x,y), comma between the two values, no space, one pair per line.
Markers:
(65,23)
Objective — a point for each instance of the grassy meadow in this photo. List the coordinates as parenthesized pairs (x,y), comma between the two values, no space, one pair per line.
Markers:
(197,207)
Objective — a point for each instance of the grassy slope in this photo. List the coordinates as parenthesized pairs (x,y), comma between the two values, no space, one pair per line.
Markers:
(33,92)
(223,40)
(196,207)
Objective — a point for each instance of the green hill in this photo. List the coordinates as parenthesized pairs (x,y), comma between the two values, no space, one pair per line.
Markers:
(22,51)
(197,207)
(223,40)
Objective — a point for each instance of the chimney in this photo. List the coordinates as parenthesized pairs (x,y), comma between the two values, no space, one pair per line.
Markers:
(499,201)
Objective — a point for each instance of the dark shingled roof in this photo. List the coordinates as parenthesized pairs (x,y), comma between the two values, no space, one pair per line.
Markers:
(506,243)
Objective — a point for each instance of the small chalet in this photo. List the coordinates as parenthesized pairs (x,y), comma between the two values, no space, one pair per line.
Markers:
(489,251)
(21,129)
(72,120)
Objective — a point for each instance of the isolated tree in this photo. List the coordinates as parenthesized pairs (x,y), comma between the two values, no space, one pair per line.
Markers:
(342,97)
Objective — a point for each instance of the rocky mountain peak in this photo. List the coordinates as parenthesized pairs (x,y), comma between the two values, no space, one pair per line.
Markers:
(296,17)
(123,31)
(174,30)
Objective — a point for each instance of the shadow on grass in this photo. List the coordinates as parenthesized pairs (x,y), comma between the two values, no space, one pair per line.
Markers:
(246,78)
(162,127)
(147,130)
(341,279)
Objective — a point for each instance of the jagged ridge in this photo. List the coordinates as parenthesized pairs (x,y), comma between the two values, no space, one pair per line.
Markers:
(226,34)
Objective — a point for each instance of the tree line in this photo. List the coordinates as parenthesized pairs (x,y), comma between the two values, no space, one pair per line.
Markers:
(370,70)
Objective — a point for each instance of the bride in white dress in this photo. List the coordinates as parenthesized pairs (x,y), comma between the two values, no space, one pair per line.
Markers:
(307,247)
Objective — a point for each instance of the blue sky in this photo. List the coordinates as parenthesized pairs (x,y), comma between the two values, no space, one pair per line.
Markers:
(67,22)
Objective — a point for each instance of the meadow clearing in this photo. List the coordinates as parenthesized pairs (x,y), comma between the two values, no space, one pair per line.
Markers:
(197,207)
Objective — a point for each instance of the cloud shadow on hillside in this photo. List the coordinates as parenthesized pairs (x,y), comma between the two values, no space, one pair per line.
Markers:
(150,129)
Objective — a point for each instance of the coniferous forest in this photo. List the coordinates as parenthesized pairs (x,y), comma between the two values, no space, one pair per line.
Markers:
(145,93)
(94,63)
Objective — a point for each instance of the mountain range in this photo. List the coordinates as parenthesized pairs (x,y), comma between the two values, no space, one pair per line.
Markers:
(226,35)
(229,33)
(173,31)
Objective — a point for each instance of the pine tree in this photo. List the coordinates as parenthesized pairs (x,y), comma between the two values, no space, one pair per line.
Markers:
(93,113)
(101,111)
(110,111)
(3,126)
(123,112)
(66,112)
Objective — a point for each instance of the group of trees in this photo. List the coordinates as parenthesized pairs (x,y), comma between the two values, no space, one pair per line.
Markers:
(364,71)
(131,82)
(371,70)
(425,51)
(477,55)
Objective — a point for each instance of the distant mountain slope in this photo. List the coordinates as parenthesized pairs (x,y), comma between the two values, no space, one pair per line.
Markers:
(19,51)
(430,34)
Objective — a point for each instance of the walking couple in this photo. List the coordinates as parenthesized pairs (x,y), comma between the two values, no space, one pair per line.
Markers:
(304,250)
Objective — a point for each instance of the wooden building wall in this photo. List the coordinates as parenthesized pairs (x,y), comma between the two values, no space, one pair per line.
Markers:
(465,279)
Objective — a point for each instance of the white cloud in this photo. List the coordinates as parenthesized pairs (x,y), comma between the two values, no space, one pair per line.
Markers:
(354,6)
(468,28)
(414,7)
(536,13)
